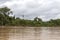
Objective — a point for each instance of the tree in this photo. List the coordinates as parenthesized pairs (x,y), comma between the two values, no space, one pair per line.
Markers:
(37,19)
(4,15)
(5,11)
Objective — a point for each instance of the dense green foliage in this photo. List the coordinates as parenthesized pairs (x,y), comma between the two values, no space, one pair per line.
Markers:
(6,20)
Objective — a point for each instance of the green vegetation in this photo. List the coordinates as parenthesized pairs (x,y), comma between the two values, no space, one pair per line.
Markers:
(6,20)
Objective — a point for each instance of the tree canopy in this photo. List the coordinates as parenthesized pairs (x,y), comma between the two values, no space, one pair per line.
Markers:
(6,20)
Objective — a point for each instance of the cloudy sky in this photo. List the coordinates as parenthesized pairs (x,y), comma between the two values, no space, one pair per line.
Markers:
(44,9)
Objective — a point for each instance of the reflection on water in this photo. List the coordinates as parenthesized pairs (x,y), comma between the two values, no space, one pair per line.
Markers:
(30,33)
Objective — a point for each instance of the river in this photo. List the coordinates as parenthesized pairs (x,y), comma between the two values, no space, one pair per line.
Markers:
(29,33)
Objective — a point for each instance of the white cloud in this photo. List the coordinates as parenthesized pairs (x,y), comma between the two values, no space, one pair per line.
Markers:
(46,9)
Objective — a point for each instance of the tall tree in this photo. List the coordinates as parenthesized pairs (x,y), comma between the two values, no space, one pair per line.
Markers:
(5,12)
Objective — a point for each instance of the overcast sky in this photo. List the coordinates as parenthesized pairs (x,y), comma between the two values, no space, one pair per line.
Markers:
(45,9)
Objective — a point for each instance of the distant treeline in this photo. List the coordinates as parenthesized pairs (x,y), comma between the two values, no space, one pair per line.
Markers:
(6,20)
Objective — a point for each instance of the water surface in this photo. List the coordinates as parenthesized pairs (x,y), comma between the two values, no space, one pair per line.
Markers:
(29,33)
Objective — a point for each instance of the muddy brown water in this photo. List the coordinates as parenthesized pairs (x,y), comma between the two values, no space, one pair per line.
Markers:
(29,33)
